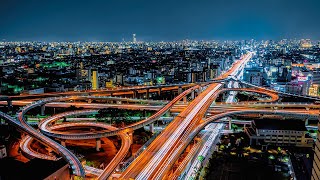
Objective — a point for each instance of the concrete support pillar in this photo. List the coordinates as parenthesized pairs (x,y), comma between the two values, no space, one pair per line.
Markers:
(185,99)
(98,144)
(192,95)
(147,94)
(230,123)
(159,92)
(119,102)
(179,90)
(89,100)
(306,122)
(63,143)
(43,108)
(223,96)
(131,137)
(9,104)
(172,94)
(135,94)
(151,126)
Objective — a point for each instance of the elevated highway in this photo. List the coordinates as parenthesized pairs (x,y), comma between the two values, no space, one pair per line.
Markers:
(132,90)
(273,95)
(171,142)
(132,127)
(25,146)
(199,149)
(65,153)
(89,98)
(54,129)
(215,118)
(70,158)
(273,91)
(156,161)
(75,164)
(168,142)
(150,104)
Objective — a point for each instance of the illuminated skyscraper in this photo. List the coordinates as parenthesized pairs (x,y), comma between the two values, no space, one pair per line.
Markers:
(134,39)
(94,79)
(81,65)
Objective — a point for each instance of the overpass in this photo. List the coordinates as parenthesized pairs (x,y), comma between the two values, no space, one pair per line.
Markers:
(169,144)
(131,90)
(64,152)
(118,100)
(199,149)
(70,158)
(55,102)
(162,148)
(273,91)
(75,164)
(215,118)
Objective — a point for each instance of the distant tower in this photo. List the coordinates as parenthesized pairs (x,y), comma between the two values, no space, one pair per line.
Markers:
(81,65)
(94,79)
(134,38)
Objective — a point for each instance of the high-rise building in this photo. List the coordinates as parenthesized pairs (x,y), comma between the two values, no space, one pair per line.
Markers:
(119,78)
(94,79)
(134,39)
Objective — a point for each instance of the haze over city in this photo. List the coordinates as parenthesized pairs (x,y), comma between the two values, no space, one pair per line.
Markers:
(99,20)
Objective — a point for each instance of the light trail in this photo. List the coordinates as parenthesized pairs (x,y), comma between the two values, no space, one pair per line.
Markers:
(144,169)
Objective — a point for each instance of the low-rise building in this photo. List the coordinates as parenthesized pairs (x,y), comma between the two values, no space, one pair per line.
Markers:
(316,158)
(253,75)
(279,132)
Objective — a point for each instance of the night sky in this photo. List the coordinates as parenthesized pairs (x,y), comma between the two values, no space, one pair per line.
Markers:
(157,20)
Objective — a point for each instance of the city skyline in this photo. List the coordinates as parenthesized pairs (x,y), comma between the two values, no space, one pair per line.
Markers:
(157,21)
(92,103)
(172,90)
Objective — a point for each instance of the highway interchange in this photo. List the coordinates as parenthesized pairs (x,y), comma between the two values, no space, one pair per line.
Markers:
(158,158)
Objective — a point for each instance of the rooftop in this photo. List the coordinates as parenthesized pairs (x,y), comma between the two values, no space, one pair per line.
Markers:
(272,124)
